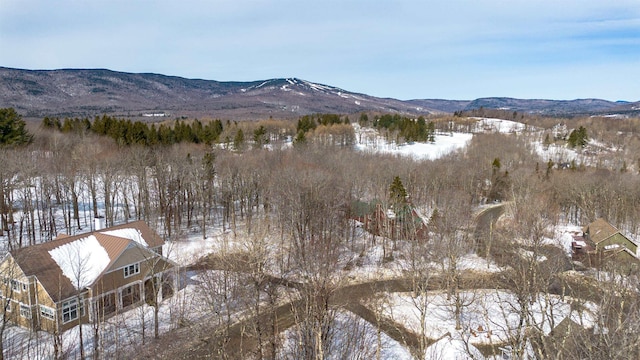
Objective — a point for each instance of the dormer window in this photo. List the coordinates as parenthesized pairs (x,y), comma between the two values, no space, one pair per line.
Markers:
(131,270)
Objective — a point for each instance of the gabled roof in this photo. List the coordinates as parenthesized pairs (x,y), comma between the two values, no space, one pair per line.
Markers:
(361,209)
(600,230)
(137,231)
(77,261)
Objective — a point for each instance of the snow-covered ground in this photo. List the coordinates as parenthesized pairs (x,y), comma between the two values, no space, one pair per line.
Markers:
(488,125)
(192,246)
(559,154)
(487,316)
(564,236)
(119,335)
(352,338)
(370,141)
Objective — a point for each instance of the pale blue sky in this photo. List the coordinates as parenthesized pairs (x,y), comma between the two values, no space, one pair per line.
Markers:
(405,49)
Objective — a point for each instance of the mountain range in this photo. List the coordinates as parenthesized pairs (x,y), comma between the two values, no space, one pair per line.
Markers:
(90,92)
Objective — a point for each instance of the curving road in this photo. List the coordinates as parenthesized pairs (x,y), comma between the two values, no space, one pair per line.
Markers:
(238,341)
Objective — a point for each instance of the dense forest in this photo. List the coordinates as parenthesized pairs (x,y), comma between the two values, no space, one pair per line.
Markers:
(286,190)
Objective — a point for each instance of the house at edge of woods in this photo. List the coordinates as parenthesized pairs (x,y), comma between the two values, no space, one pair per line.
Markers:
(602,241)
(405,222)
(85,278)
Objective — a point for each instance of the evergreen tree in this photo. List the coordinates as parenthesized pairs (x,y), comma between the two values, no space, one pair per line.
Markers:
(197,131)
(86,124)
(139,133)
(165,135)
(431,131)
(47,123)
(212,131)
(364,119)
(495,165)
(259,136)
(300,138)
(152,135)
(67,126)
(306,123)
(397,192)
(500,185)
(12,128)
(208,164)
(578,137)
(238,140)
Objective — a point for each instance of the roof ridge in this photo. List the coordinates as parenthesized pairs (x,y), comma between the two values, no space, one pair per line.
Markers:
(63,238)
(120,250)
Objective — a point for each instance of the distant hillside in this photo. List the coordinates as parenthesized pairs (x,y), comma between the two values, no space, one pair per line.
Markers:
(447,106)
(548,107)
(89,92)
(83,92)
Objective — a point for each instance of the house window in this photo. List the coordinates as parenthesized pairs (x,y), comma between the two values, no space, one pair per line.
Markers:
(106,304)
(8,305)
(69,310)
(25,311)
(47,312)
(130,295)
(132,270)
(16,286)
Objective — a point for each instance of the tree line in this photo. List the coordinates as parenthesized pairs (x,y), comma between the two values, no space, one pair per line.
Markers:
(127,132)
(319,127)
(407,128)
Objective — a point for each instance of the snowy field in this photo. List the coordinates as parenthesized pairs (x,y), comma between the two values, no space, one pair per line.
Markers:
(490,125)
(370,141)
(443,145)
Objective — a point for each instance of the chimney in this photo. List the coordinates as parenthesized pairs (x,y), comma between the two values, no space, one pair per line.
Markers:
(99,223)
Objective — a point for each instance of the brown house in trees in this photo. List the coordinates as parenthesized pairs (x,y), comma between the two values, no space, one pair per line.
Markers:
(403,223)
(601,242)
(85,278)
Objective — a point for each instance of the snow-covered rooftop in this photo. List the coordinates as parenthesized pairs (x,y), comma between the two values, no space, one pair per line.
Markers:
(128,233)
(82,260)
